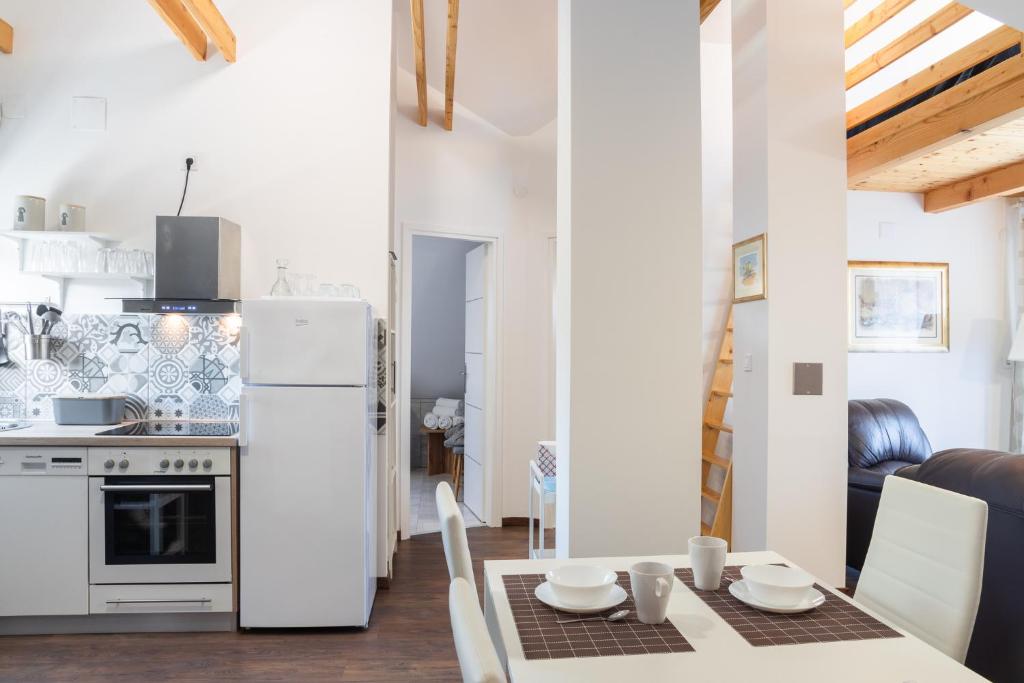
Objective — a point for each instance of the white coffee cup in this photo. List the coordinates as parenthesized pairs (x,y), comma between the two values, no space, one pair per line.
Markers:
(29,212)
(71,217)
(707,559)
(651,583)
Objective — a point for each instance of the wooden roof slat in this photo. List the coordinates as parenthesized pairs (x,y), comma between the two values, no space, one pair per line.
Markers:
(988,45)
(706,8)
(177,17)
(449,63)
(976,105)
(1001,182)
(216,27)
(6,37)
(419,52)
(873,19)
(915,37)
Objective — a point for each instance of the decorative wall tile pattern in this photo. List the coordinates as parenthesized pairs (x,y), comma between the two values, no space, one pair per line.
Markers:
(169,367)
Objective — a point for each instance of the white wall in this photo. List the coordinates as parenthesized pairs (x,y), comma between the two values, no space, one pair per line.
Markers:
(962,398)
(292,140)
(629,277)
(477,178)
(789,452)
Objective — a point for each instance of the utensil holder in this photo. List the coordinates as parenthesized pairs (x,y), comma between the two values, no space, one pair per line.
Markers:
(37,347)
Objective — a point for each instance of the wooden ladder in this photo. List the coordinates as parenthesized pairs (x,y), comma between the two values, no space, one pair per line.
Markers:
(714,425)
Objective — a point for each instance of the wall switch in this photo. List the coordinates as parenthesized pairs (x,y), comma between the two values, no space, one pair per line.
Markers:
(886,230)
(807,379)
(748,362)
(195,162)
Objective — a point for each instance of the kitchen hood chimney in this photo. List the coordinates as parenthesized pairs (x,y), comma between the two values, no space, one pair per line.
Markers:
(197,267)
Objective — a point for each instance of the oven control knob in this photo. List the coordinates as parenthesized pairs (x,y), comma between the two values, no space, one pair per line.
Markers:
(193,463)
(179,463)
(207,464)
(164,464)
(123,464)
(109,464)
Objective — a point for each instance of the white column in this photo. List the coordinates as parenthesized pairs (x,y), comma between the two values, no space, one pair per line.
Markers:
(789,452)
(629,277)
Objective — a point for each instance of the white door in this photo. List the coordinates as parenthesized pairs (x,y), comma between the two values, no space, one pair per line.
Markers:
(476,404)
(306,522)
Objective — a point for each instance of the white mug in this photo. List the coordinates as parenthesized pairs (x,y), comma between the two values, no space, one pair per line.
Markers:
(71,217)
(707,559)
(651,583)
(29,212)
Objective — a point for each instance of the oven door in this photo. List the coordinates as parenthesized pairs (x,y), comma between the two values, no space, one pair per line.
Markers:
(165,529)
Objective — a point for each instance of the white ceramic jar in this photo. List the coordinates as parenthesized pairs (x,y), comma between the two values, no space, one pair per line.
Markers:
(29,212)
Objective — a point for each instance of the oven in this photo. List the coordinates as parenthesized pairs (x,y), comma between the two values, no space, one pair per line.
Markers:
(159,516)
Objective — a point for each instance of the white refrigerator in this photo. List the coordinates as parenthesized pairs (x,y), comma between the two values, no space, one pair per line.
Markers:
(307,469)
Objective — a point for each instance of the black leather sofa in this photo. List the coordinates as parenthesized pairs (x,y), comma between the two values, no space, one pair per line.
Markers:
(885,436)
(997,646)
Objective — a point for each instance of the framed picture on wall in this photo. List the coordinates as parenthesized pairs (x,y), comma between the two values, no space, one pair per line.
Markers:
(896,306)
(750,269)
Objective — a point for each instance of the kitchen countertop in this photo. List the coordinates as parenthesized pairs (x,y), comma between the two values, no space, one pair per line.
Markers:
(50,434)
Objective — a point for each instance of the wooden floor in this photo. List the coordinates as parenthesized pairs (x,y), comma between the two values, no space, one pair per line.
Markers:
(409,638)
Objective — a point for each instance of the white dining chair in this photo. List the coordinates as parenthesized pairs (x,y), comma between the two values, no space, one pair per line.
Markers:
(477,656)
(453,535)
(543,473)
(924,565)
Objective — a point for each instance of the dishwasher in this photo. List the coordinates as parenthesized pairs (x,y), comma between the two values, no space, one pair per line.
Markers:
(44,532)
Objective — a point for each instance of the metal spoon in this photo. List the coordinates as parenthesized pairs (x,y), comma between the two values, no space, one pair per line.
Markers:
(615,616)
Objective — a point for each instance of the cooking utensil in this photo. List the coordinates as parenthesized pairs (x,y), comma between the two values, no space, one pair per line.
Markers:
(614,616)
(50,318)
(31,325)
(4,358)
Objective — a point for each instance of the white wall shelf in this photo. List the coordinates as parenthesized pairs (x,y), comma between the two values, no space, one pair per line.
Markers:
(100,238)
(62,280)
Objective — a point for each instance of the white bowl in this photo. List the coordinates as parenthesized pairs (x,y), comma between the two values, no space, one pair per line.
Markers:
(775,585)
(579,585)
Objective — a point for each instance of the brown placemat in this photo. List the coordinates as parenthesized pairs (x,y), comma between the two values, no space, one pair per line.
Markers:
(833,621)
(542,638)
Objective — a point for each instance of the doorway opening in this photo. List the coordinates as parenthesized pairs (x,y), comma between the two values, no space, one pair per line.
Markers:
(448,328)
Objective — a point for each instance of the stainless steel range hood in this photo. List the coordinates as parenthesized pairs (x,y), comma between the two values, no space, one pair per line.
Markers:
(198,267)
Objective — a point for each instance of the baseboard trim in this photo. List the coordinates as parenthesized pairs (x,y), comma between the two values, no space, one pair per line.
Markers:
(383,583)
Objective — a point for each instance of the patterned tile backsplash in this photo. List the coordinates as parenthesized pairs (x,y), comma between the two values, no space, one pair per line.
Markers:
(169,367)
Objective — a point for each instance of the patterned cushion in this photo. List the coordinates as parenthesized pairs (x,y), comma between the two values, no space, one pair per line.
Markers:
(546,459)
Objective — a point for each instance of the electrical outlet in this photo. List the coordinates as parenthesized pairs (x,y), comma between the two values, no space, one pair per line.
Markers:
(748,362)
(195,162)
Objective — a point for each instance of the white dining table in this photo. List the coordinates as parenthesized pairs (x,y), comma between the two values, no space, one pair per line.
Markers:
(721,655)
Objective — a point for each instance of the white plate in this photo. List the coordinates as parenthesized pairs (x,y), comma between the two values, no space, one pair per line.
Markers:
(739,590)
(546,595)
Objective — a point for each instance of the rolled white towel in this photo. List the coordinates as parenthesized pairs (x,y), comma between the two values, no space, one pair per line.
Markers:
(450,402)
(444,422)
(457,420)
(430,421)
(450,411)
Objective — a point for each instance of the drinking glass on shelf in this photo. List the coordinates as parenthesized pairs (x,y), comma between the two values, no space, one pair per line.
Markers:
(150,263)
(102,259)
(136,262)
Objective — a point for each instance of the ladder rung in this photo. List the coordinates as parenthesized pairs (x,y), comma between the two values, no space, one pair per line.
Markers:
(725,361)
(715,460)
(704,529)
(719,392)
(713,496)
(718,425)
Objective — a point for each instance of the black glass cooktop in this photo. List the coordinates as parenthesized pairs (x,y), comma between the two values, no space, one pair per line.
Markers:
(169,428)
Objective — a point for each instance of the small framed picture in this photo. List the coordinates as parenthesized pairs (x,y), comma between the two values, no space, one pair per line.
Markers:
(750,269)
(897,306)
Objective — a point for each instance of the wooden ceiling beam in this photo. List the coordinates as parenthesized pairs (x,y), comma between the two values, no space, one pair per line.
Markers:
(988,45)
(213,22)
(974,106)
(177,17)
(915,37)
(420,55)
(706,8)
(449,63)
(873,19)
(998,183)
(6,37)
